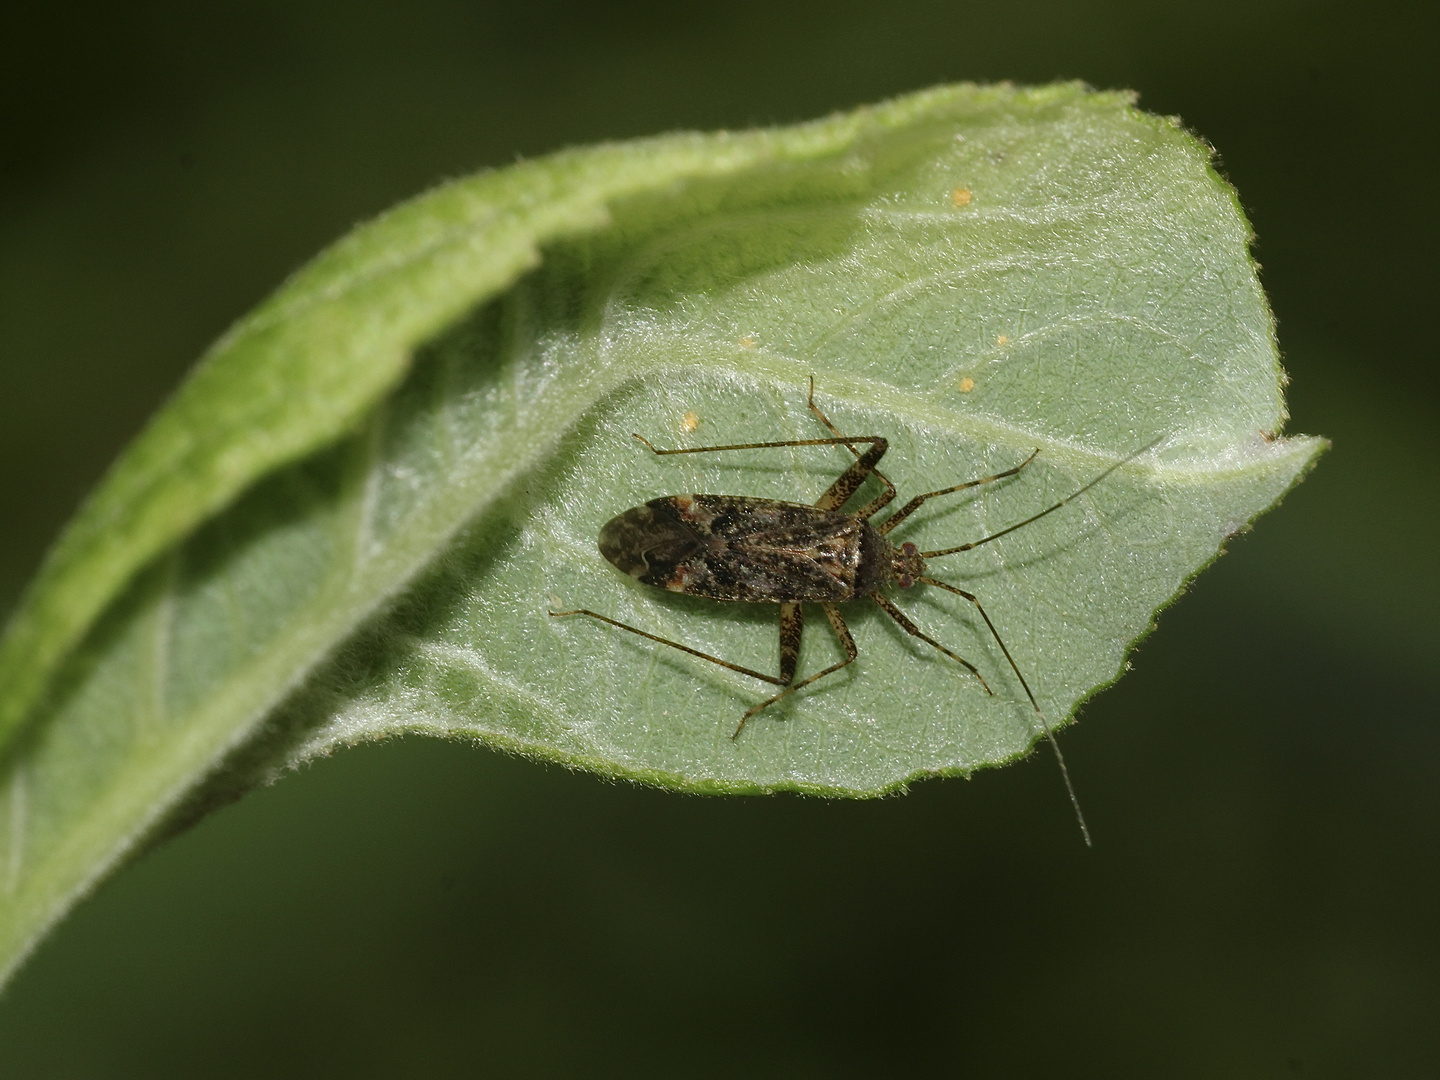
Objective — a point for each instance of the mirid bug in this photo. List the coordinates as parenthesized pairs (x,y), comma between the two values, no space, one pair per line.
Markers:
(737,548)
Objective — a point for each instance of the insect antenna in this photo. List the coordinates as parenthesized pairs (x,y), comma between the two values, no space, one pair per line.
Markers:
(1044,724)
(1048,510)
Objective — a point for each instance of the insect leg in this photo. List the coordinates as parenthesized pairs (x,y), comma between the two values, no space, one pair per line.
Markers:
(850,480)
(914,631)
(843,440)
(885,497)
(676,645)
(1044,724)
(792,625)
(847,642)
(915,503)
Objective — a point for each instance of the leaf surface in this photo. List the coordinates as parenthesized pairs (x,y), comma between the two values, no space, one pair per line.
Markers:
(351,522)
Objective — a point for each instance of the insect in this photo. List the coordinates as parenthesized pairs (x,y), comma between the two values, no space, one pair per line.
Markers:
(737,548)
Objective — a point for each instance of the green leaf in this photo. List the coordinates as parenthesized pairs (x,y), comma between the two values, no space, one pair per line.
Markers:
(352,519)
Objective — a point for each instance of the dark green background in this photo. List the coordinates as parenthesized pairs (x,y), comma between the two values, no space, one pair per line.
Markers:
(1264,788)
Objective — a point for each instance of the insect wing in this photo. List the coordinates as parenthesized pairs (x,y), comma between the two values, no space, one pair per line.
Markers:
(648,542)
(729,547)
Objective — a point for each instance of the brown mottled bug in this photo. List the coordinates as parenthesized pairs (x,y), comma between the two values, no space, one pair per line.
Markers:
(733,547)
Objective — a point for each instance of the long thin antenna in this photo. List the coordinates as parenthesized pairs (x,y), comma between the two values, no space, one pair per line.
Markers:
(1048,510)
(1044,724)
(1054,743)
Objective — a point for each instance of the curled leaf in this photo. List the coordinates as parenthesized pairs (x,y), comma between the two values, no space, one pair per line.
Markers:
(352,520)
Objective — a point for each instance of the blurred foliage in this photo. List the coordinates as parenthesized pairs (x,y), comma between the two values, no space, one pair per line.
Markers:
(1263,787)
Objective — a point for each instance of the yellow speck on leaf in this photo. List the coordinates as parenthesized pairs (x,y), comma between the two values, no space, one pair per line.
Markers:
(961,196)
(690,422)
(967,384)
(748,341)
(1003,339)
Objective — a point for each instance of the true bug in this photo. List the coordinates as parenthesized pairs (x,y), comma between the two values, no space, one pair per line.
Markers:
(737,548)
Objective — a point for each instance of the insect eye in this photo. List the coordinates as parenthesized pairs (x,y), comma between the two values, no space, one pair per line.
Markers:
(905,581)
(908,548)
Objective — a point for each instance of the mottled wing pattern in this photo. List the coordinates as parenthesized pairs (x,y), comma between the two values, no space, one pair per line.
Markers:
(728,547)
